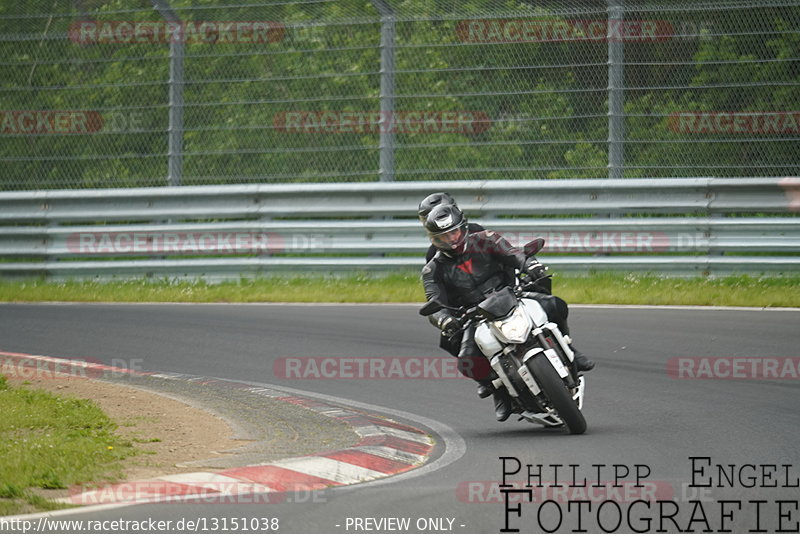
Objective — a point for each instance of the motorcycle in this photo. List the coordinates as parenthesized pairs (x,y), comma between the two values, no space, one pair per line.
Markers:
(530,356)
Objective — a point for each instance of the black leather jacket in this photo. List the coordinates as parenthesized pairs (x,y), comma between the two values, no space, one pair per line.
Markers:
(487,263)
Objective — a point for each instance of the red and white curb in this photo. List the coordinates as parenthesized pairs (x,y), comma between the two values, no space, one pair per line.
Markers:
(386,448)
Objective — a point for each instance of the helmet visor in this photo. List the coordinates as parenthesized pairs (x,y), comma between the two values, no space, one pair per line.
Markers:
(451,239)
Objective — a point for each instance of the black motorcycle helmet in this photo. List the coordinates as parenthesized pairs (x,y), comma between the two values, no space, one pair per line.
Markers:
(431,201)
(446,227)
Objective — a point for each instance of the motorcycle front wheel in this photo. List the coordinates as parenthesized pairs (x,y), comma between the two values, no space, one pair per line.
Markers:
(557,393)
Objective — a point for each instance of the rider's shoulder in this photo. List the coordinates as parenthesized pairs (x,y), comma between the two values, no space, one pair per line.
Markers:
(428,269)
(433,263)
(440,257)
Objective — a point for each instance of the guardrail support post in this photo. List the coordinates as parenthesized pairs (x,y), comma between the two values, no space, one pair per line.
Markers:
(616,90)
(176,53)
(386,163)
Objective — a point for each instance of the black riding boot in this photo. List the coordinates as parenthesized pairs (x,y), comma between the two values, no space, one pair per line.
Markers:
(502,404)
(582,363)
(501,397)
(470,358)
(485,388)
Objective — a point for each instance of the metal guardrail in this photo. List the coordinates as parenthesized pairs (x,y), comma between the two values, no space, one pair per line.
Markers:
(677,226)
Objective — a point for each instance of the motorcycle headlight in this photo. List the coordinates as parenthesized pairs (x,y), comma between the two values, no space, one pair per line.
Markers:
(514,328)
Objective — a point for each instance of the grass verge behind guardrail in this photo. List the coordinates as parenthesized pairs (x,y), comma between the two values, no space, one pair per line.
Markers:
(609,288)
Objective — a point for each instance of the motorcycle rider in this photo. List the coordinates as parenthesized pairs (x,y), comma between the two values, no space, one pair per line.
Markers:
(450,344)
(466,267)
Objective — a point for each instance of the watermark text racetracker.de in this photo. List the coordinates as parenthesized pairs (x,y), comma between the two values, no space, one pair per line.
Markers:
(199,242)
(488,491)
(150,524)
(209,492)
(545,30)
(50,121)
(162,32)
(27,367)
(566,241)
(366,122)
(70,122)
(369,368)
(735,122)
(734,368)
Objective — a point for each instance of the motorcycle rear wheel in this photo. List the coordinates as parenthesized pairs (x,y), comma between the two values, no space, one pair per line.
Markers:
(558,394)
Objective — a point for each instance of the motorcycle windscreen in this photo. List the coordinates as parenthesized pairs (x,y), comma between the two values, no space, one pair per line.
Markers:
(498,304)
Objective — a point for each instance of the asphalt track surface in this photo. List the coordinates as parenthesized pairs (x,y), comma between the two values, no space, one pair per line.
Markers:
(638,414)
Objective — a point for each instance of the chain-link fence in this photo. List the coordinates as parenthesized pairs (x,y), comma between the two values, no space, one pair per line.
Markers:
(121,93)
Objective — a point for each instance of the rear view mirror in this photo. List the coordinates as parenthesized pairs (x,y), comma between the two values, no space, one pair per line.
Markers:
(430,308)
(533,247)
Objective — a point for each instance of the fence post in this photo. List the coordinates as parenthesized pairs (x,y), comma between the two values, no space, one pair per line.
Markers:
(386,164)
(616,90)
(176,53)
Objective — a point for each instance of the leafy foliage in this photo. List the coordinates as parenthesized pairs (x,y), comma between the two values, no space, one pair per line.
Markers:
(545,96)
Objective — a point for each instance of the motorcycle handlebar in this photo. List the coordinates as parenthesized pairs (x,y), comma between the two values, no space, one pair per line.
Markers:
(465,312)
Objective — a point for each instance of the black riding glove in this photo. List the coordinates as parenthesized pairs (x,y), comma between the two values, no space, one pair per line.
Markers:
(534,269)
(449,325)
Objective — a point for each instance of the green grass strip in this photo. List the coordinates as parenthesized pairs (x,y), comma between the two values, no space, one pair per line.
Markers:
(406,287)
(52,442)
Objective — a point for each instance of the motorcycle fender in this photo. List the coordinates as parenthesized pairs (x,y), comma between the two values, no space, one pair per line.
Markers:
(531,353)
(556,362)
(525,373)
(486,341)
